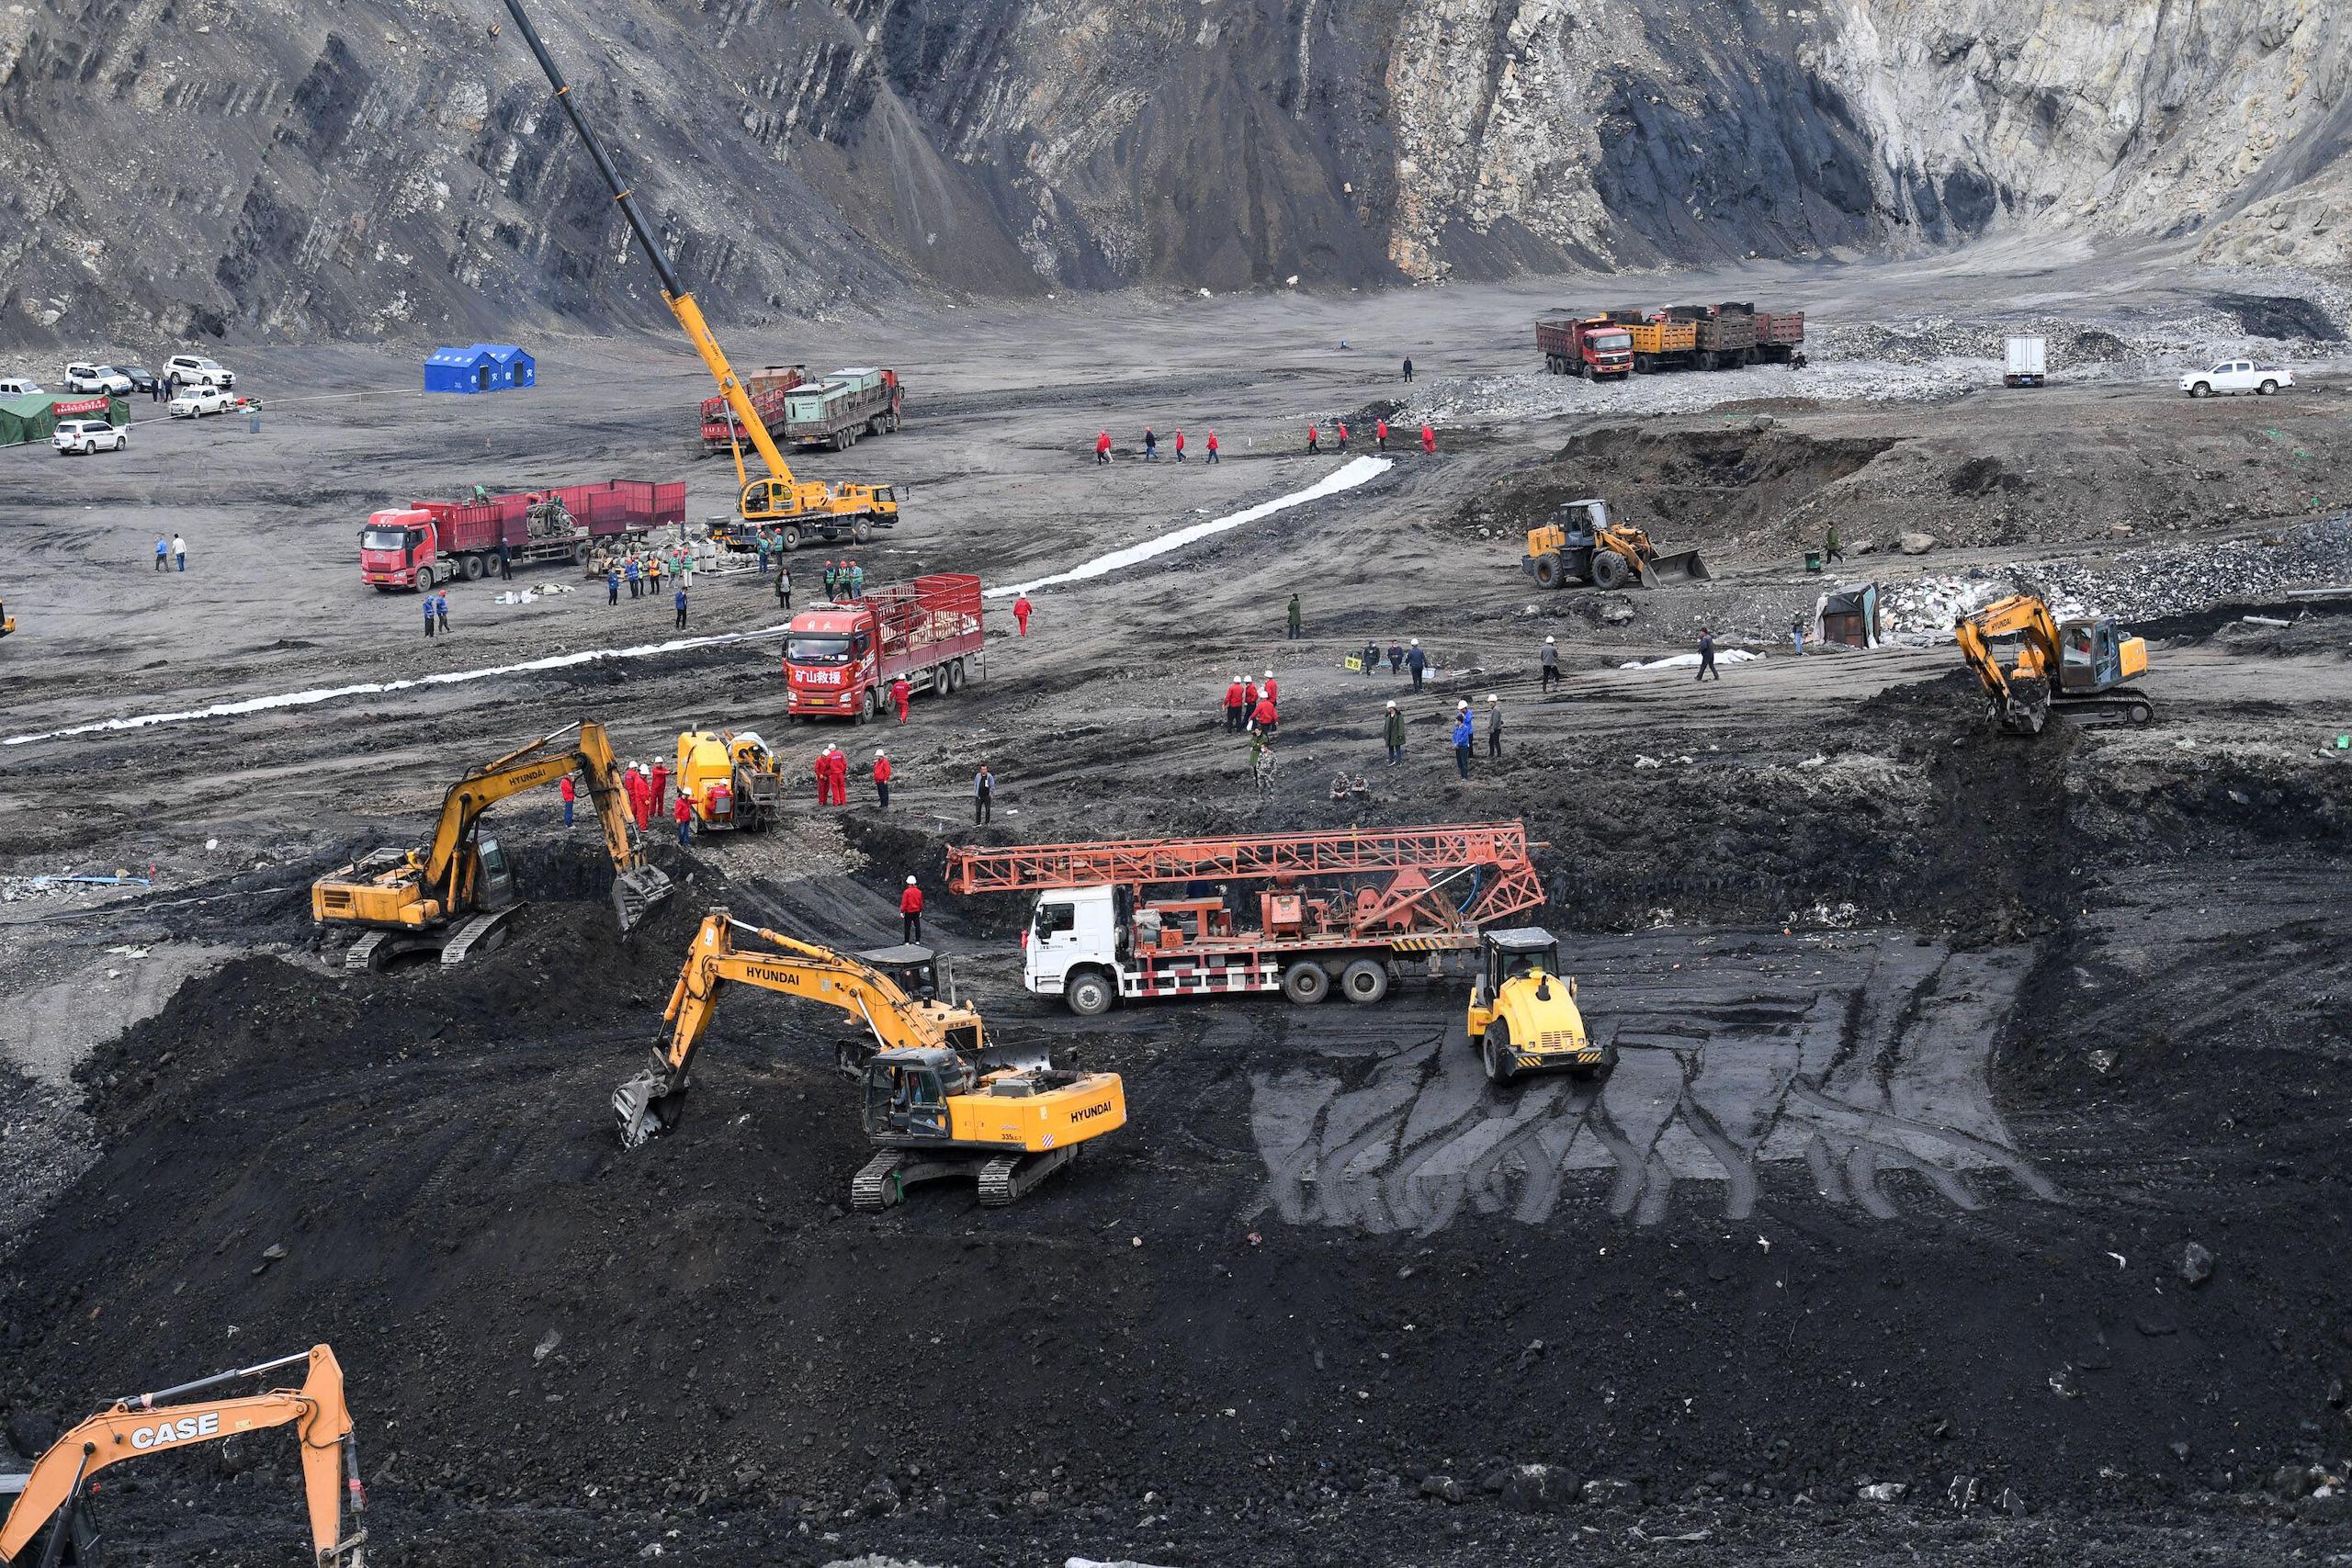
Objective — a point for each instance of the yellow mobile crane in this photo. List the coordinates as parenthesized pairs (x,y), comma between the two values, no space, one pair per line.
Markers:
(778,499)
(57,1490)
(935,1103)
(458,893)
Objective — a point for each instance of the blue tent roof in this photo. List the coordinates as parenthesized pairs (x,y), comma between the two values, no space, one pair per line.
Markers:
(501,352)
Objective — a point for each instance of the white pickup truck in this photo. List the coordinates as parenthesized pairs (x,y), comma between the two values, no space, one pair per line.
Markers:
(2235,376)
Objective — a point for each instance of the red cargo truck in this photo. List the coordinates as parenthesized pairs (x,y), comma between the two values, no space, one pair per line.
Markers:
(840,659)
(428,542)
(1592,346)
(1779,337)
(767,390)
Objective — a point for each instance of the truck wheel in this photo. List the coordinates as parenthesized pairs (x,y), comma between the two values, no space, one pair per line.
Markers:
(1549,572)
(955,676)
(861,532)
(1088,992)
(580,555)
(2201,390)
(473,568)
(939,680)
(1306,983)
(791,535)
(1496,1053)
(1608,569)
(424,580)
(1364,982)
(2267,387)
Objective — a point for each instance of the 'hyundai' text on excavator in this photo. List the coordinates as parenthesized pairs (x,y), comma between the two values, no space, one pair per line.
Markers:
(790,503)
(455,896)
(936,1102)
(2075,667)
(57,1492)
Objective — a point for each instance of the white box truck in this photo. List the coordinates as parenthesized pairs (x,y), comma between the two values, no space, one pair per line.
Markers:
(2028,362)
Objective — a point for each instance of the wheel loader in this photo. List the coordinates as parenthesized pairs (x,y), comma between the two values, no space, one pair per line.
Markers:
(1522,1016)
(1582,545)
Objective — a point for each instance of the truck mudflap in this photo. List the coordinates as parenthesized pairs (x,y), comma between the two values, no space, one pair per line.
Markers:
(1682,566)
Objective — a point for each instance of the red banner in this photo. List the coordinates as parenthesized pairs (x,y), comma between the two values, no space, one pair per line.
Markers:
(62,409)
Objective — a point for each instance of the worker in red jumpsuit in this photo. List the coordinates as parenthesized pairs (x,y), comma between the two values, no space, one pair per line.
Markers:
(1248,694)
(660,787)
(1380,435)
(1429,442)
(1210,446)
(1237,705)
(640,799)
(1021,605)
(686,819)
(569,795)
(1180,443)
(1262,718)
(1343,436)
(911,913)
(1314,437)
(823,768)
(841,776)
(1103,448)
(1269,687)
(882,778)
(900,692)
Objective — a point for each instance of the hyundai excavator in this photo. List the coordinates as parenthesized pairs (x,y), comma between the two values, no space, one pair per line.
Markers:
(936,1103)
(1522,1015)
(2075,667)
(455,896)
(57,1492)
(1582,545)
(779,499)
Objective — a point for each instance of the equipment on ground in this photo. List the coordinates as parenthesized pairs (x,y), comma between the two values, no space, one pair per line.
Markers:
(934,1100)
(428,542)
(2027,362)
(1582,545)
(457,894)
(1297,913)
(797,506)
(57,1492)
(840,657)
(1522,1015)
(2075,667)
(730,780)
(1592,347)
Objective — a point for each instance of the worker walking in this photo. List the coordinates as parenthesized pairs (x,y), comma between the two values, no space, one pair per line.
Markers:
(882,778)
(679,599)
(569,793)
(983,794)
(1370,658)
(179,552)
(1237,703)
(1263,717)
(1343,434)
(1429,441)
(911,913)
(1831,548)
(1150,445)
(900,691)
(1707,655)
(1294,620)
(1494,724)
(1465,732)
(1380,435)
(1180,443)
(1021,605)
(1314,438)
(612,585)
(1394,731)
(1396,659)
(428,617)
(685,815)
(1417,662)
(1551,661)
(1209,448)
(441,607)
(163,553)
(1796,632)
(784,588)
(1103,448)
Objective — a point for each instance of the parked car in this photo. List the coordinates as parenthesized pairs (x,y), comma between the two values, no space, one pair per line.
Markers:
(87,435)
(2235,376)
(197,402)
(143,380)
(195,370)
(20,387)
(97,378)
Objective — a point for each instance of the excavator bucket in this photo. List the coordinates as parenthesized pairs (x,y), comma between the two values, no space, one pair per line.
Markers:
(638,893)
(1684,566)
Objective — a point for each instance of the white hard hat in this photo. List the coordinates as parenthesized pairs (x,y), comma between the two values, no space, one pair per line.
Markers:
(1237,677)
(1550,639)
(1416,642)
(1268,671)
(1494,696)
(878,751)
(910,882)
(1392,704)
(1462,702)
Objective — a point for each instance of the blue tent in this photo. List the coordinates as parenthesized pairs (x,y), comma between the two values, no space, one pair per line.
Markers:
(480,367)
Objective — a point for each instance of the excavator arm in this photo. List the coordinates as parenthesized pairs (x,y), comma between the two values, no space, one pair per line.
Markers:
(145,1424)
(2020,616)
(650,1103)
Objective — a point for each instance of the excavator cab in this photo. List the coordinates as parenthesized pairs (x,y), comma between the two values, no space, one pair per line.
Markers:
(2094,656)
(493,875)
(906,1092)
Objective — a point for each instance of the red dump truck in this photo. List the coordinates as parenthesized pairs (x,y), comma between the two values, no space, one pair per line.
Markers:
(1592,346)
(1779,334)
(427,542)
(766,391)
(840,659)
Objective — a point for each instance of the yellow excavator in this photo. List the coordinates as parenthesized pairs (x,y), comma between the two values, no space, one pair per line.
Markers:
(1522,1016)
(1582,545)
(936,1103)
(2075,667)
(455,896)
(791,504)
(57,1492)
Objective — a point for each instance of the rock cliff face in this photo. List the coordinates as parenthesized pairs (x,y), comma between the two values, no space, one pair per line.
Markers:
(298,168)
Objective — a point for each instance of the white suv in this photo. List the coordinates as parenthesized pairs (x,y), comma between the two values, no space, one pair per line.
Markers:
(195,370)
(88,435)
(97,378)
(20,387)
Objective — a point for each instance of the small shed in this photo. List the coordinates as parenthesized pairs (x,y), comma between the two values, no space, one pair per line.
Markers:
(480,367)
(1848,615)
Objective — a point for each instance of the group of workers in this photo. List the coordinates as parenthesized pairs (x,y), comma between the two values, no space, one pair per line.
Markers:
(1403,658)
(1344,438)
(1250,708)
(1209,449)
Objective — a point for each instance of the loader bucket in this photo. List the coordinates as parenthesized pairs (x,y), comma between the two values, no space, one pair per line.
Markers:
(1684,566)
(998,1058)
(637,893)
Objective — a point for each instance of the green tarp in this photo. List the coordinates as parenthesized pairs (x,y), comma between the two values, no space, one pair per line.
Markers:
(34,418)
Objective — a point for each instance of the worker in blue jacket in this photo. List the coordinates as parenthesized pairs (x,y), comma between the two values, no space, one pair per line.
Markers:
(1465,731)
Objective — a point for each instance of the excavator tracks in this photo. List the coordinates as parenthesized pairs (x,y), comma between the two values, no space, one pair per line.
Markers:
(877,1187)
(481,933)
(1003,1180)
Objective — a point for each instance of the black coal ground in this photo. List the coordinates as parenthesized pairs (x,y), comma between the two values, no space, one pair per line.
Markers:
(563,1353)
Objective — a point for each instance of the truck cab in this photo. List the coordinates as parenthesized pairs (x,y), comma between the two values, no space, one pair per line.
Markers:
(829,664)
(397,549)
(1078,947)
